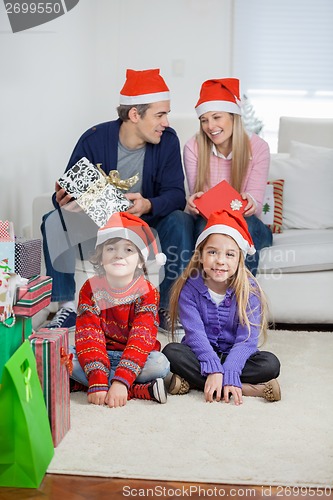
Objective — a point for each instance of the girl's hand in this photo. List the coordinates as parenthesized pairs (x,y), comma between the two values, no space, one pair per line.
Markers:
(190,206)
(251,205)
(97,398)
(213,386)
(236,393)
(117,395)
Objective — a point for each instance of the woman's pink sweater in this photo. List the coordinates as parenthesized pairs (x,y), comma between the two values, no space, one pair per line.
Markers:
(256,176)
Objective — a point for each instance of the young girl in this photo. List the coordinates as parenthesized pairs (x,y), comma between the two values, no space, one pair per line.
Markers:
(117,350)
(223,150)
(223,312)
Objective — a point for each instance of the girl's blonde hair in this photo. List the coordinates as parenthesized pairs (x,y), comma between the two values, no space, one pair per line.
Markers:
(96,259)
(242,282)
(241,155)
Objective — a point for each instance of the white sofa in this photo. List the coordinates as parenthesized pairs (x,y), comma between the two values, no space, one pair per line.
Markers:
(297,271)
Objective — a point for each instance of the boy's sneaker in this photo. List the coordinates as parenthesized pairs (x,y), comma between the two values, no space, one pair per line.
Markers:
(75,386)
(165,323)
(178,385)
(64,318)
(154,391)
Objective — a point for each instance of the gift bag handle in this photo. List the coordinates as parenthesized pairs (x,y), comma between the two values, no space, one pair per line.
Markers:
(12,323)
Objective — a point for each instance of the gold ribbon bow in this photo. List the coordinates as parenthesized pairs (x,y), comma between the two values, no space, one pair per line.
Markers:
(67,360)
(114,178)
(27,377)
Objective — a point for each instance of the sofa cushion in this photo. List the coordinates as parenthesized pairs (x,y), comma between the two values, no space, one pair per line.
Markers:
(307,198)
(298,250)
(276,226)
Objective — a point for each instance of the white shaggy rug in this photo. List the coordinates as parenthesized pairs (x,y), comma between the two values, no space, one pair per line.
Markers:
(287,443)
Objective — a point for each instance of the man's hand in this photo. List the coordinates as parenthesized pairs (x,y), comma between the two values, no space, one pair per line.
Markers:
(141,205)
(63,198)
(117,395)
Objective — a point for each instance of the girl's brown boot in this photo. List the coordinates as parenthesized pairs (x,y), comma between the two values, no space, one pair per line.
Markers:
(269,390)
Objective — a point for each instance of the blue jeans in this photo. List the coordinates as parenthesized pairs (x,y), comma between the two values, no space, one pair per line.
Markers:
(261,235)
(66,235)
(156,366)
(60,246)
(175,235)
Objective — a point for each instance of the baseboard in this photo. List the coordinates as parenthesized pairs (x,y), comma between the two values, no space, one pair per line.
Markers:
(302,327)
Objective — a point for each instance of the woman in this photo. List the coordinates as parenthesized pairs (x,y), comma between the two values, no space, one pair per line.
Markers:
(223,150)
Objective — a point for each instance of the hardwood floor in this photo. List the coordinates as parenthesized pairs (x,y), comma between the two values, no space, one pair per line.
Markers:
(61,487)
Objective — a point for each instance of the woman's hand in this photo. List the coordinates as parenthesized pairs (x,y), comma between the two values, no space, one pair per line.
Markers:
(213,386)
(251,206)
(236,393)
(190,206)
(117,395)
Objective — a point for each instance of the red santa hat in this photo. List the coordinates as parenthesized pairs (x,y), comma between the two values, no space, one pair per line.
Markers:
(232,224)
(219,95)
(143,87)
(132,228)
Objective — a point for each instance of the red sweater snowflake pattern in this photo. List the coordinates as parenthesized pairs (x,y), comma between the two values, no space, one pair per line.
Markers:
(116,320)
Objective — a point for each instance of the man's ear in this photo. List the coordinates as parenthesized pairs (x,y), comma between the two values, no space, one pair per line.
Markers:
(133,115)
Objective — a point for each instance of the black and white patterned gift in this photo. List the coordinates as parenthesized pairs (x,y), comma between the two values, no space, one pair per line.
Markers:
(27,257)
(95,192)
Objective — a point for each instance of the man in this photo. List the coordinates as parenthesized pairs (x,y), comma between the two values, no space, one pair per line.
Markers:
(140,141)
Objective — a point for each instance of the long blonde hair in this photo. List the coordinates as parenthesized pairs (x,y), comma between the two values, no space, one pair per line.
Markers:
(241,155)
(242,282)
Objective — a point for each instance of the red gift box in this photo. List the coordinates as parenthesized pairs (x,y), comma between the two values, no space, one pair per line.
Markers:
(50,347)
(33,296)
(222,196)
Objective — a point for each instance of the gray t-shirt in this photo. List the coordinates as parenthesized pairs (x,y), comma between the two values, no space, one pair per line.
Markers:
(130,162)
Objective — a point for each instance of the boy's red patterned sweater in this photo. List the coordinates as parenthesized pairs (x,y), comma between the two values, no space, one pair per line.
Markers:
(116,320)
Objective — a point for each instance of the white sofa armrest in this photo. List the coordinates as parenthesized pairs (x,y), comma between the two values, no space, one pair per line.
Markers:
(40,206)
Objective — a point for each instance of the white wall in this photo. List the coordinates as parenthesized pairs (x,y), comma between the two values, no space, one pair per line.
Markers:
(63,77)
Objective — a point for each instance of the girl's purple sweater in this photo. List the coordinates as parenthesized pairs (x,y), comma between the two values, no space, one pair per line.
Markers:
(212,330)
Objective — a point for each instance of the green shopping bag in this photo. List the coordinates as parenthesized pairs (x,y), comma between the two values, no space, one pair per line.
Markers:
(26,446)
(13,332)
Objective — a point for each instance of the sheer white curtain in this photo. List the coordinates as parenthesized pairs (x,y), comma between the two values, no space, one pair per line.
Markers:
(283,54)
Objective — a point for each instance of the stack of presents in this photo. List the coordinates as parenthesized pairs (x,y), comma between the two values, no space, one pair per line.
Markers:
(34,366)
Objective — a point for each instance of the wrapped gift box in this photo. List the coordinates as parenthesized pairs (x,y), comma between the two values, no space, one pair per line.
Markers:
(8,282)
(221,196)
(28,257)
(94,190)
(12,334)
(54,366)
(33,296)
(7,243)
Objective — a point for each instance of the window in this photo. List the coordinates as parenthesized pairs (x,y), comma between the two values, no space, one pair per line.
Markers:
(283,56)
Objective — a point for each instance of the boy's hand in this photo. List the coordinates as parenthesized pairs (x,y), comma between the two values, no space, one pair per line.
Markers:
(117,395)
(97,398)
